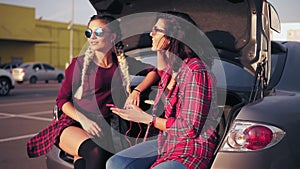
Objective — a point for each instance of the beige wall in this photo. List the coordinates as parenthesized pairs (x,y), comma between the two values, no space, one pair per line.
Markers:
(23,36)
(58,51)
(293,35)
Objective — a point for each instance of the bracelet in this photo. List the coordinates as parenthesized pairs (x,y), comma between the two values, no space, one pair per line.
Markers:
(153,120)
(137,90)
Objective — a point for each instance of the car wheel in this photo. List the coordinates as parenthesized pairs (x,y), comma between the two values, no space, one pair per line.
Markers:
(33,80)
(4,87)
(60,78)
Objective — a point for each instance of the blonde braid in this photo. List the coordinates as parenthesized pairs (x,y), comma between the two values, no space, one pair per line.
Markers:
(88,57)
(124,69)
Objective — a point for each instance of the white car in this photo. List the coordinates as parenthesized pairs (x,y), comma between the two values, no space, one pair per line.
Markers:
(37,71)
(6,82)
(9,66)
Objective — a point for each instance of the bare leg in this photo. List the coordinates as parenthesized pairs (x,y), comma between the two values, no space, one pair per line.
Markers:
(71,139)
(75,141)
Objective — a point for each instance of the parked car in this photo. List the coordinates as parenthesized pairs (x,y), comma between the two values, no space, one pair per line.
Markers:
(258,86)
(9,66)
(37,71)
(6,82)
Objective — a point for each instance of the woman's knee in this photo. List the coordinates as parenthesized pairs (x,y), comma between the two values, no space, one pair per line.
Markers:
(170,164)
(139,156)
(125,162)
(115,162)
(71,138)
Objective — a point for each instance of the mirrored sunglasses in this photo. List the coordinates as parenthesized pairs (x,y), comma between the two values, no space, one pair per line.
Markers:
(98,32)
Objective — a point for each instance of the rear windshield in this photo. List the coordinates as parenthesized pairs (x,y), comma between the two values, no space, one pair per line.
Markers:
(25,66)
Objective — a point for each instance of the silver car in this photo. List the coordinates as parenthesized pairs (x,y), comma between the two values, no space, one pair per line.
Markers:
(37,71)
(9,66)
(6,82)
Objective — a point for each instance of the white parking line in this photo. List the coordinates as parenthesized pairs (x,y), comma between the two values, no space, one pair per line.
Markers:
(39,112)
(32,113)
(25,117)
(16,138)
(26,103)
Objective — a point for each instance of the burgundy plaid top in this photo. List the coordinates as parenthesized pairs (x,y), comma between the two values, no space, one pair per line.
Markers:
(99,87)
(190,137)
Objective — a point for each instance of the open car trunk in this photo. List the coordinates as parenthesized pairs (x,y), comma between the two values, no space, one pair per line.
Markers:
(231,25)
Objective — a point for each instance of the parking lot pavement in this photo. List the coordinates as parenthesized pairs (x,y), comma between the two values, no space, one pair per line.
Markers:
(20,119)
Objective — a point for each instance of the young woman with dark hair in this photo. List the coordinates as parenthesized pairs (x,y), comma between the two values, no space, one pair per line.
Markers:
(187,137)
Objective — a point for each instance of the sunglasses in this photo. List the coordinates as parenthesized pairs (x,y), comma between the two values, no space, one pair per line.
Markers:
(99,32)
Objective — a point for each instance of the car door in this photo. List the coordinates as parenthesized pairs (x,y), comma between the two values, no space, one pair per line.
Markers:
(38,71)
(50,73)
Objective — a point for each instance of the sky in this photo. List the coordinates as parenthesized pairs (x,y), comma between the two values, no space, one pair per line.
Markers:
(61,10)
(58,10)
(288,10)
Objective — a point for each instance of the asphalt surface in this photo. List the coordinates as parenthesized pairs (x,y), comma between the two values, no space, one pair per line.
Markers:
(23,113)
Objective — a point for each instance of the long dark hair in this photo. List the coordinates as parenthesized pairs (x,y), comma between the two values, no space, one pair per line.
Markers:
(184,36)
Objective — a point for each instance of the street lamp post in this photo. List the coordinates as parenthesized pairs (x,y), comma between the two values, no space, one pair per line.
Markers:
(71,31)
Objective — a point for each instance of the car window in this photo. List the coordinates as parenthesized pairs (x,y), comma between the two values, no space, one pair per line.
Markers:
(48,67)
(36,67)
(3,66)
(274,63)
(8,66)
(25,66)
(152,60)
(235,77)
(145,58)
(228,75)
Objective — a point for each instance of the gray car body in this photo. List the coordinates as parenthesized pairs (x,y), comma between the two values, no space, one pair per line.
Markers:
(37,71)
(279,108)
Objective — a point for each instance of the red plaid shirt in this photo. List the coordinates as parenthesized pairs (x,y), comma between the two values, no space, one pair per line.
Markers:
(190,137)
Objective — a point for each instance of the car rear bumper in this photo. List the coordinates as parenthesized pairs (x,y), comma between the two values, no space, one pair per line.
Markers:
(18,78)
(53,161)
(276,157)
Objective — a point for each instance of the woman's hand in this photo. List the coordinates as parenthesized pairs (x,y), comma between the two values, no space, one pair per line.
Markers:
(88,125)
(133,99)
(133,113)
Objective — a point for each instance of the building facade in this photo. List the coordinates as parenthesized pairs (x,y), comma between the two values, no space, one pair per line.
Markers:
(26,39)
(289,32)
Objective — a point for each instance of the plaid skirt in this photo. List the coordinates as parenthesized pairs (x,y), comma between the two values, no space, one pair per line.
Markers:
(113,136)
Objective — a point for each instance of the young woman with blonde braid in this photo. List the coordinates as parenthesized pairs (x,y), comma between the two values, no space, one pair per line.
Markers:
(88,129)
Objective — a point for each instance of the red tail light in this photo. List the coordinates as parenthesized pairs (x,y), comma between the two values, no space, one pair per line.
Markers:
(249,136)
(258,137)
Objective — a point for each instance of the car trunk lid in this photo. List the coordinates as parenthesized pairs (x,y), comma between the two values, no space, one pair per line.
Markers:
(227,23)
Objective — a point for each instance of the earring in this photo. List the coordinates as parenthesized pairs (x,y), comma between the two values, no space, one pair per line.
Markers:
(113,42)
